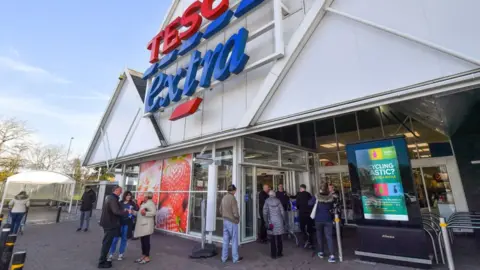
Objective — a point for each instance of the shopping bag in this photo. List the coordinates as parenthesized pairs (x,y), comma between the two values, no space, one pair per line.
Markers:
(314,211)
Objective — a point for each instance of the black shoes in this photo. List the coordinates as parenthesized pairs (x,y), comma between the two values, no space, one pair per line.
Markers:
(105,265)
(79,229)
(86,230)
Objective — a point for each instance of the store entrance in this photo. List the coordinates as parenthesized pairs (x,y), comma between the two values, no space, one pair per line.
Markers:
(437,182)
(254,178)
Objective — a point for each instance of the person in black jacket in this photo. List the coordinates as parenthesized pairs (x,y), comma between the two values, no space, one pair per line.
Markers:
(304,210)
(112,213)
(282,195)
(262,197)
(88,199)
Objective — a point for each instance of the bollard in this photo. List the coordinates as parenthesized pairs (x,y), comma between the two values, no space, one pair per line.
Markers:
(59,211)
(7,251)
(203,209)
(446,242)
(1,219)
(339,238)
(3,236)
(18,260)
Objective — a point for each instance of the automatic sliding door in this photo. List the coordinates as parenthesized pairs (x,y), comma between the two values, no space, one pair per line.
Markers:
(248,199)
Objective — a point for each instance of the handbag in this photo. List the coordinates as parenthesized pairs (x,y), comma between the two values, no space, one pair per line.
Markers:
(314,211)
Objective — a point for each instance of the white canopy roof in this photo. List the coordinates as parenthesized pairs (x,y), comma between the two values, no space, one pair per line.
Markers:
(40,178)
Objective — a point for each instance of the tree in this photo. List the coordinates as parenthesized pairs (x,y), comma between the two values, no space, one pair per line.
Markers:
(14,142)
(12,132)
(46,158)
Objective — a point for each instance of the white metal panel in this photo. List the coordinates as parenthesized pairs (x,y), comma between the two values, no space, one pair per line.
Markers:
(118,123)
(234,101)
(212,110)
(293,5)
(345,60)
(291,23)
(308,5)
(451,24)
(255,80)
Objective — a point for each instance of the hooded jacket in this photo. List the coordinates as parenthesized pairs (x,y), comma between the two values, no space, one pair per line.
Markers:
(324,207)
(274,215)
(19,204)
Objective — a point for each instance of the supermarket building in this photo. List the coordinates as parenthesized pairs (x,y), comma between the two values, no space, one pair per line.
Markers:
(274,90)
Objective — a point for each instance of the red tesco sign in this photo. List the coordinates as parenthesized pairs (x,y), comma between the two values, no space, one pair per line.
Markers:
(191,19)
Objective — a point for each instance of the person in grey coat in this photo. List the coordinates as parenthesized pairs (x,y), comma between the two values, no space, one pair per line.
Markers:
(274,215)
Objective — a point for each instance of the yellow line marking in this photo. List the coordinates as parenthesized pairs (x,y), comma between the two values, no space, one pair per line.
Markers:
(443,225)
(337,220)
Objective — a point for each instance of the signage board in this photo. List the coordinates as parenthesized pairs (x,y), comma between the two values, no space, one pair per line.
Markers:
(381,184)
(216,64)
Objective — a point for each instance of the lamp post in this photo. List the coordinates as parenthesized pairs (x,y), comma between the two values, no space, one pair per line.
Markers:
(69,146)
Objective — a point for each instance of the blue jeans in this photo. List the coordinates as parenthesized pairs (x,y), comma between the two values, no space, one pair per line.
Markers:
(16,221)
(123,241)
(327,229)
(230,233)
(85,216)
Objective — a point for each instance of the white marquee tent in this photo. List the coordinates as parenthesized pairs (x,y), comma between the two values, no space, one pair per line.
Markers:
(64,185)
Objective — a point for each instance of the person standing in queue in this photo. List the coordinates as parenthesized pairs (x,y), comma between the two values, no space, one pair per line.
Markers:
(145,226)
(262,197)
(274,215)
(323,202)
(282,195)
(88,199)
(231,218)
(112,213)
(304,210)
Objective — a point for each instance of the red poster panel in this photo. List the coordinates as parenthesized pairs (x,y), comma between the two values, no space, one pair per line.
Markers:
(173,208)
(149,180)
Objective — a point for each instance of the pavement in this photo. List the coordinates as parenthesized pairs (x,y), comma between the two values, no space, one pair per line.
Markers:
(58,246)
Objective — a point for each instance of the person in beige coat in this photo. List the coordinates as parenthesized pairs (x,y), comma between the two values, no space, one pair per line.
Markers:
(145,226)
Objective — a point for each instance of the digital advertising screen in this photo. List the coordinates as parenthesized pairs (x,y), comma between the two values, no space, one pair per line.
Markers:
(383,190)
(381,184)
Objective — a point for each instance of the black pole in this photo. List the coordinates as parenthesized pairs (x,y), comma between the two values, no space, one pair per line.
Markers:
(59,211)
(6,256)
(18,260)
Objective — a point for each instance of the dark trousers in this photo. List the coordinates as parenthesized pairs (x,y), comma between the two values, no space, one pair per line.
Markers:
(325,228)
(16,221)
(306,225)
(276,246)
(263,230)
(145,241)
(108,235)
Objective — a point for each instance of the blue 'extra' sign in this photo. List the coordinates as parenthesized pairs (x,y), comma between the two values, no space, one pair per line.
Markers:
(218,63)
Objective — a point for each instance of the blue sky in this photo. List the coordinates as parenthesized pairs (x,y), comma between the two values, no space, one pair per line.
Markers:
(60,60)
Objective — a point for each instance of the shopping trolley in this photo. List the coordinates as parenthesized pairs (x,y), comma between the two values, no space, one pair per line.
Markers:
(293,222)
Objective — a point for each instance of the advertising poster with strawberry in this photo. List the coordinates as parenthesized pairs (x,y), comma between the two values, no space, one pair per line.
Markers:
(149,180)
(173,203)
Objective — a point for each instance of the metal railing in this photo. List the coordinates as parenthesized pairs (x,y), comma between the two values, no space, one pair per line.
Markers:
(458,220)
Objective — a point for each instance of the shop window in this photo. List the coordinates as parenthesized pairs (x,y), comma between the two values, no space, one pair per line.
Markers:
(200,171)
(343,158)
(259,152)
(326,141)
(224,157)
(293,158)
(396,124)
(328,159)
(286,134)
(196,214)
(431,143)
(369,123)
(131,177)
(307,135)
(346,128)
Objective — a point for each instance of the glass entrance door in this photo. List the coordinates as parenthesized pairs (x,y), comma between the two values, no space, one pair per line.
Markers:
(253,180)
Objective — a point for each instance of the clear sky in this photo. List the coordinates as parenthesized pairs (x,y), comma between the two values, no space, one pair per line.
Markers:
(60,61)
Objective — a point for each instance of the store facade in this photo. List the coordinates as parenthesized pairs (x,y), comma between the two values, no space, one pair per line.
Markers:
(274,90)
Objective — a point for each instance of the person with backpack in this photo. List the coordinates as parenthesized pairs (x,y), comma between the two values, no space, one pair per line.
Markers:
(322,214)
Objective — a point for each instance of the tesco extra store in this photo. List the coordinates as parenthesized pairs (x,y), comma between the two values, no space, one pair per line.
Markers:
(273,90)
